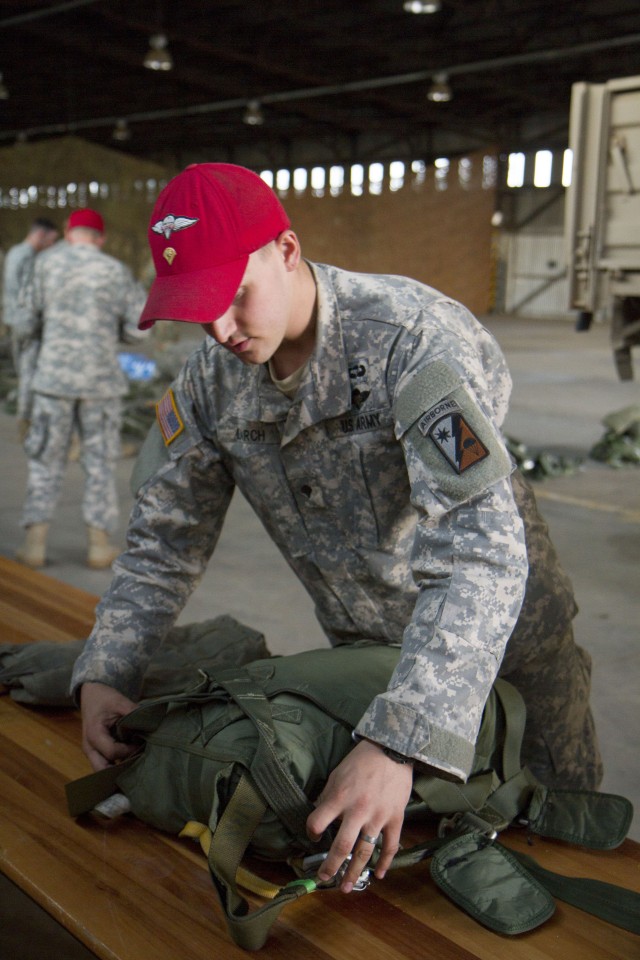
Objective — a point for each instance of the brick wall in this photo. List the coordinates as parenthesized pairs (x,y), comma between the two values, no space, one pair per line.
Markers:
(442,237)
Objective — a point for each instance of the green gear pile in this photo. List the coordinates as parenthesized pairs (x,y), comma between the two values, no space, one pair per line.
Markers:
(620,444)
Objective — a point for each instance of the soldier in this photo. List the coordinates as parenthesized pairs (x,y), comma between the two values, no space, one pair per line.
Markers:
(80,301)
(17,271)
(360,416)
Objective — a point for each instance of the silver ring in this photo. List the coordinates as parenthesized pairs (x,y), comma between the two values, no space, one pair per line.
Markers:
(369,839)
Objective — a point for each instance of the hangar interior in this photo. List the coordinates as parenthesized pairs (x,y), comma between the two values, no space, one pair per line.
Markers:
(431,144)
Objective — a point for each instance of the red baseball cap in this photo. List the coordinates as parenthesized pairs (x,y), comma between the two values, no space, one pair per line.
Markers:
(85,217)
(205,224)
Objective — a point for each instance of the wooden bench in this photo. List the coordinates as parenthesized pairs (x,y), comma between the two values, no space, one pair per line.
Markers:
(127,891)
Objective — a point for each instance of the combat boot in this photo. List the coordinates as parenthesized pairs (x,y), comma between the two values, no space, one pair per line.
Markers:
(33,551)
(102,553)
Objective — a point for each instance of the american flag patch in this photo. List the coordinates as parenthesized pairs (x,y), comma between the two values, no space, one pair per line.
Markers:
(168,417)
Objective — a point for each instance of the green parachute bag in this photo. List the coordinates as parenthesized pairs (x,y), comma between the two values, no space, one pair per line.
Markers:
(237,762)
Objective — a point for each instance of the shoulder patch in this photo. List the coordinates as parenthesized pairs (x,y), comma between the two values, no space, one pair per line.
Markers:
(169,419)
(456,440)
(451,445)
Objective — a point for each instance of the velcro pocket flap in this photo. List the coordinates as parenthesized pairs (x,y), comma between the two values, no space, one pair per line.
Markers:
(600,821)
(483,878)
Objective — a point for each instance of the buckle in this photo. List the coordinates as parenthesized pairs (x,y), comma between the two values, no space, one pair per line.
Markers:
(310,864)
(464,823)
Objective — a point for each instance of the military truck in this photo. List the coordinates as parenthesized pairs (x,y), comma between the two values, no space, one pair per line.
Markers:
(602,212)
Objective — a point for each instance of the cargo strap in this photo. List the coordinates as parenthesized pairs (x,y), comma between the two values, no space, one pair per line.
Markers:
(614,904)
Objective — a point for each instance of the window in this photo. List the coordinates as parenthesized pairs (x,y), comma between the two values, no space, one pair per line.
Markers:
(419,171)
(396,175)
(283,180)
(442,166)
(318,180)
(336,180)
(376,178)
(515,170)
(357,179)
(300,180)
(465,170)
(567,167)
(542,167)
(489,172)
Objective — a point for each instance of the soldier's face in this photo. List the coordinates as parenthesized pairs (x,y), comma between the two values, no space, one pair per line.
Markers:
(261,316)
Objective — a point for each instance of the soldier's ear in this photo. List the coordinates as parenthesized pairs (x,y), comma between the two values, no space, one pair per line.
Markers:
(288,246)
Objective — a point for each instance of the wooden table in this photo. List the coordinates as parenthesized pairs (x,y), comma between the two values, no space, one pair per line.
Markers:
(128,891)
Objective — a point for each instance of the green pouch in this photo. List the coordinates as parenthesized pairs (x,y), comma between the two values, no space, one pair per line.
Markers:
(600,821)
(483,878)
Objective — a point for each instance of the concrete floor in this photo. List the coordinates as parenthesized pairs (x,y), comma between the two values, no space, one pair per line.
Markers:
(564,383)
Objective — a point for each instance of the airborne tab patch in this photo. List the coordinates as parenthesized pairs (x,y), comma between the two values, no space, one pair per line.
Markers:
(169,419)
(456,441)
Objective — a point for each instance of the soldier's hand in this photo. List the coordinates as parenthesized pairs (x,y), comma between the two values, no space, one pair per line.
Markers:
(368,793)
(101,706)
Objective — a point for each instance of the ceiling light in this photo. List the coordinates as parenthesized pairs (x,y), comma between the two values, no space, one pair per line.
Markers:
(4,93)
(253,115)
(440,91)
(422,6)
(158,56)
(121,131)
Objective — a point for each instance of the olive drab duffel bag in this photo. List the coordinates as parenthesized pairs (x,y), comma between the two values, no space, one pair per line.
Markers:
(237,761)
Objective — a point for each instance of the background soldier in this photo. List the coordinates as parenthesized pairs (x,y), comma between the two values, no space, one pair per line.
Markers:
(81,302)
(17,272)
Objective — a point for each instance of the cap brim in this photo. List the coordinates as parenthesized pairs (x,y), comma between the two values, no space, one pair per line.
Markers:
(201,296)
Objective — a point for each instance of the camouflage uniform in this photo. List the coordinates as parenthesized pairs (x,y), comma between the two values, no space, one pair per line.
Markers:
(398,532)
(18,269)
(78,297)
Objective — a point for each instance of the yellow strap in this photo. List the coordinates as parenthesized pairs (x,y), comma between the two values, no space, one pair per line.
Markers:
(197,831)
(244,878)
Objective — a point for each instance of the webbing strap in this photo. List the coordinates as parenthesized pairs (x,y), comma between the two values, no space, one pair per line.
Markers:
(412,855)
(515,715)
(244,878)
(512,796)
(444,796)
(232,834)
(229,841)
(499,802)
(510,799)
(269,773)
(87,792)
(614,904)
